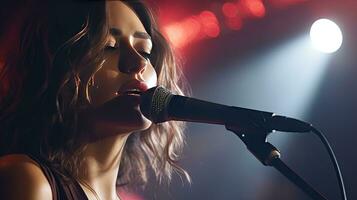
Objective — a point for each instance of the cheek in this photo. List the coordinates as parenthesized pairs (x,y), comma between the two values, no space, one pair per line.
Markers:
(106,82)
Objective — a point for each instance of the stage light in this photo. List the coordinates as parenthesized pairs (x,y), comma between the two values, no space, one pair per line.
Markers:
(194,28)
(209,23)
(175,34)
(255,7)
(326,36)
(229,9)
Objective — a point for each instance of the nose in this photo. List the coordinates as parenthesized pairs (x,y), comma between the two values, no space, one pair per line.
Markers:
(131,62)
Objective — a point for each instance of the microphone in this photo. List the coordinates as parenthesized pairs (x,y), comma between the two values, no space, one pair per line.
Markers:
(159,105)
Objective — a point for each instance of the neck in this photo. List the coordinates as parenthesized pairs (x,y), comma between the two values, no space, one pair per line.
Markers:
(101,166)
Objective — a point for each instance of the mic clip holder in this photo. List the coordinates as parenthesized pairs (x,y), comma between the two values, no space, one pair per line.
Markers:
(255,138)
(256,142)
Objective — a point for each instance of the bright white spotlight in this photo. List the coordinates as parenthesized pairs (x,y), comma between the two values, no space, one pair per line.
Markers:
(326,36)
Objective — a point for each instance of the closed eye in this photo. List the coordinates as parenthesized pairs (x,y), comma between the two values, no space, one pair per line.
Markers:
(110,48)
(146,55)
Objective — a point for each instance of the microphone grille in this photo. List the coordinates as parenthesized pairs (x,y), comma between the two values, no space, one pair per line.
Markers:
(154,104)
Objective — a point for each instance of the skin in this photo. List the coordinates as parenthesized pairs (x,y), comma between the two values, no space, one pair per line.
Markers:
(126,59)
(126,52)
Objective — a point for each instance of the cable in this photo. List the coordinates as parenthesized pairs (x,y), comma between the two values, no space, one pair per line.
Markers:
(334,161)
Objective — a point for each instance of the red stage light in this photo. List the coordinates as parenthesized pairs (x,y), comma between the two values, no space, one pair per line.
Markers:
(229,9)
(209,23)
(193,28)
(182,33)
(212,31)
(255,7)
(175,34)
(208,17)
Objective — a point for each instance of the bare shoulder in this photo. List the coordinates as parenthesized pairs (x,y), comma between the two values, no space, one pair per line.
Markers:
(22,178)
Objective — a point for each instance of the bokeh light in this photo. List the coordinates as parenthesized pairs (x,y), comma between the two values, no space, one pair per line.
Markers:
(210,23)
(229,9)
(255,7)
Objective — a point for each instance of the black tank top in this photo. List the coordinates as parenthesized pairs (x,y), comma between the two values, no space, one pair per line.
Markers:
(61,189)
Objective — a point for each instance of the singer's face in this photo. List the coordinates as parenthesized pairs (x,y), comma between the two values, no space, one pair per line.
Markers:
(127,59)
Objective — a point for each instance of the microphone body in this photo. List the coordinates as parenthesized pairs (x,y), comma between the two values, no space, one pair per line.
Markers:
(159,105)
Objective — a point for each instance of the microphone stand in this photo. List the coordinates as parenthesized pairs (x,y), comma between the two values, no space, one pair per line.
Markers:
(269,155)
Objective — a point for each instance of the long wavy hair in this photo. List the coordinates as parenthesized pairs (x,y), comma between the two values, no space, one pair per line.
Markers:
(43,91)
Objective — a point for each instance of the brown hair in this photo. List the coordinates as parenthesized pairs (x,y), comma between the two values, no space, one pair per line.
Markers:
(43,91)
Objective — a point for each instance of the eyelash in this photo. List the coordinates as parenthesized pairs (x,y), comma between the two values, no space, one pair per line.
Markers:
(110,48)
(146,55)
(142,53)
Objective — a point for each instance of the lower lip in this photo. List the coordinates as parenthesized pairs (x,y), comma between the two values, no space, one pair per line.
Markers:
(138,95)
(132,95)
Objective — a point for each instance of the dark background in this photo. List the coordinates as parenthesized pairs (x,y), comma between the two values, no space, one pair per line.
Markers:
(266,65)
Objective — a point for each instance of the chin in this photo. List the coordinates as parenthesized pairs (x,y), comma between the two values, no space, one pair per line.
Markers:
(113,123)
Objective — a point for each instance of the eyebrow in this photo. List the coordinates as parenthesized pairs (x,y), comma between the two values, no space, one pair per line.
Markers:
(138,34)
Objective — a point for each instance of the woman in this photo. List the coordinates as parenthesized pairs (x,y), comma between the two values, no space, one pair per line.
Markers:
(69,104)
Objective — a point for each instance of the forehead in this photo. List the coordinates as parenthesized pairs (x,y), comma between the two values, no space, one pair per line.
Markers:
(123,17)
